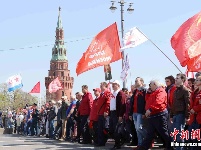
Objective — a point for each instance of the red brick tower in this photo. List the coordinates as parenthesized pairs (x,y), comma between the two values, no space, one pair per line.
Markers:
(59,66)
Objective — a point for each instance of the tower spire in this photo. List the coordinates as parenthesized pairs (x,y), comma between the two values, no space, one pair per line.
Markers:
(59,22)
(59,49)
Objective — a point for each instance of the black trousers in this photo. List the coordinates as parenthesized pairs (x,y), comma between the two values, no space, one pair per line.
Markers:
(95,129)
(112,123)
(78,121)
(159,124)
(34,127)
(85,129)
(70,126)
(101,126)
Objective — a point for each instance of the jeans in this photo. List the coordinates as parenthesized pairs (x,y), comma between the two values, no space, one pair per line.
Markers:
(51,128)
(193,126)
(178,124)
(141,132)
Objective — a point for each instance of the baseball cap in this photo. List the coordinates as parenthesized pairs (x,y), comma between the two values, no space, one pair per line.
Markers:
(116,82)
(97,89)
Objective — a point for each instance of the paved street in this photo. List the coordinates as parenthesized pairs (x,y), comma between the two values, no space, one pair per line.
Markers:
(15,142)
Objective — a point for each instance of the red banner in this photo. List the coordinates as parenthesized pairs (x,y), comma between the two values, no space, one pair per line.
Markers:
(36,88)
(187,40)
(103,50)
(55,85)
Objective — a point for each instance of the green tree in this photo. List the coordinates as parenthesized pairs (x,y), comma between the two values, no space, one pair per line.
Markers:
(14,100)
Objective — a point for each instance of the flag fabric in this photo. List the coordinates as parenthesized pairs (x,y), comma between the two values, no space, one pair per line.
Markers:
(189,74)
(187,40)
(133,38)
(14,82)
(194,64)
(125,69)
(55,85)
(36,88)
(103,50)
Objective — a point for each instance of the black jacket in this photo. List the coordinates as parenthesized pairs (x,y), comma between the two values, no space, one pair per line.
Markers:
(51,114)
(64,107)
(140,103)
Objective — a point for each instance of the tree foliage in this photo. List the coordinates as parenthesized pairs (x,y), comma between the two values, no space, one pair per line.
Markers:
(14,100)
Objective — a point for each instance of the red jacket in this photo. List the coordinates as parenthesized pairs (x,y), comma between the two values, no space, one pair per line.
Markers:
(156,101)
(85,104)
(171,96)
(194,104)
(93,114)
(103,104)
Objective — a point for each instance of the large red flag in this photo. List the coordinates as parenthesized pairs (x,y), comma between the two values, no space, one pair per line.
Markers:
(104,49)
(187,40)
(55,85)
(36,88)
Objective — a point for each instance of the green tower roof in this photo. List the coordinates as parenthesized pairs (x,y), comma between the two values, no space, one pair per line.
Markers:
(59,49)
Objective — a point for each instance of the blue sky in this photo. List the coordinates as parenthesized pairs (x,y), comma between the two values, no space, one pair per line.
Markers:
(32,23)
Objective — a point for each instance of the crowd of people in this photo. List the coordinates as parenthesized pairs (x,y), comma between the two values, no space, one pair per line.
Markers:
(171,112)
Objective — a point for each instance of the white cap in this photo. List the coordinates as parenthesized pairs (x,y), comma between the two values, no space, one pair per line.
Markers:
(64,97)
(116,81)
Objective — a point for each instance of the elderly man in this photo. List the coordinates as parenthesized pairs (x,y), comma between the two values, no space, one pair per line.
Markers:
(69,114)
(64,107)
(117,111)
(77,117)
(157,114)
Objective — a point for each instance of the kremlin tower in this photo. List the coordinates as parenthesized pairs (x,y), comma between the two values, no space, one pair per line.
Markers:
(59,66)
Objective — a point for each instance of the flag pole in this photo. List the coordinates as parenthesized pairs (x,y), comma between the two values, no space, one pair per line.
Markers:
(160,51)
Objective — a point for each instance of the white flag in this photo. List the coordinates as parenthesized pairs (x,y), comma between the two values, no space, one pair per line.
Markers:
(133,38)
(126,68)
(14,82)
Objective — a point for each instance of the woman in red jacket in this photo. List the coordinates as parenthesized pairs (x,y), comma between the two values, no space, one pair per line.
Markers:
(195,110)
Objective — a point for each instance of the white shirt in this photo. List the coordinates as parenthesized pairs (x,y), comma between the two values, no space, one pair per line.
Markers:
(113,101)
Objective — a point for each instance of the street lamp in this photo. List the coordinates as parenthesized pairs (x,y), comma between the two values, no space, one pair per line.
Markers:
(130,10)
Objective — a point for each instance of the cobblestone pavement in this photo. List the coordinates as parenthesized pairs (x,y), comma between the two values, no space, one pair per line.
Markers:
(16,142)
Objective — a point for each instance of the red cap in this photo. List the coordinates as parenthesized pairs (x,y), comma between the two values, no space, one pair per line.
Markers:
(97,89)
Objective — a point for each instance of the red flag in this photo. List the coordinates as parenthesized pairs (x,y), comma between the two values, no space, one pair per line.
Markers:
(194,64)
(36,88)
(187,40)
(189,74)
(55,85)
(104,49)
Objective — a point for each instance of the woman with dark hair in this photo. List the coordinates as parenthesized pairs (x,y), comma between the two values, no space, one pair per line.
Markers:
(191,82)
(170,89)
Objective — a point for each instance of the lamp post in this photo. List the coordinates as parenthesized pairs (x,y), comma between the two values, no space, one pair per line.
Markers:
(130,10)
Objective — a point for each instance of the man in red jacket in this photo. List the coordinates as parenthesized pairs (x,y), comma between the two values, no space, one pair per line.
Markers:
(103,106)
(157,114)
(93,124)
(84,112)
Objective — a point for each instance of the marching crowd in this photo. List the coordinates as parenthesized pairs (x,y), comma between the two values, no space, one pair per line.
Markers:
(171,112)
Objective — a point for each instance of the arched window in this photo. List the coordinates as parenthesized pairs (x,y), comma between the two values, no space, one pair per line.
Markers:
(62,93)
(54,74)
(62,73)
(65,85)
(61,66)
